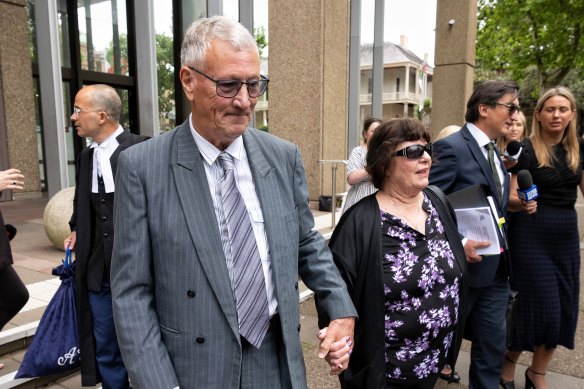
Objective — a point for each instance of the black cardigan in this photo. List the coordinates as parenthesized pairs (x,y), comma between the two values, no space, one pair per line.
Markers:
(356,248)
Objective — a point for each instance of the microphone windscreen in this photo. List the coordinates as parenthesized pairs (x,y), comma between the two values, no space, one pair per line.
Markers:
(524,179)
(513,147)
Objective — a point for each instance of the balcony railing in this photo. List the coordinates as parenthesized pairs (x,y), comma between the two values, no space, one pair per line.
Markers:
(394,97)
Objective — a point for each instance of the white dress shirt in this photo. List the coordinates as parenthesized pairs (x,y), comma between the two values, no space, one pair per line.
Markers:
(483,140)
(244,182)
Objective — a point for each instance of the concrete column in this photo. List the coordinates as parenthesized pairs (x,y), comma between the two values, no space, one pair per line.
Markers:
(309,83)
(146,78)
(18,144)
(456,31)
(52,95)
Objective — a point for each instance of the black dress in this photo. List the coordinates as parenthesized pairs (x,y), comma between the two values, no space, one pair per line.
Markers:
(545,256)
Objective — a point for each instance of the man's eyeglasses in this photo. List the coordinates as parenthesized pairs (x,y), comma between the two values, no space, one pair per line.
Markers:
(414,151)
(510,106)
(230,88)
(78,111)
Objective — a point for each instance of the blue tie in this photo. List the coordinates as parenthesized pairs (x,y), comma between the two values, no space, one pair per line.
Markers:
(248,282)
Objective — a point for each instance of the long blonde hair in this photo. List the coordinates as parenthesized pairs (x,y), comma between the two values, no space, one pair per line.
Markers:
(543,151)
(502,141)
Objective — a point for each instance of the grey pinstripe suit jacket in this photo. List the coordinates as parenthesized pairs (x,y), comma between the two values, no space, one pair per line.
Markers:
(173,305)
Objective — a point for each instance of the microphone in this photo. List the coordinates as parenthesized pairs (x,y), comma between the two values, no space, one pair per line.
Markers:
(513,151)
(526,191)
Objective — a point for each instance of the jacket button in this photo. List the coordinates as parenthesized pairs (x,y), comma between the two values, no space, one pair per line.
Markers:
(299,327)
(296,286)
(103,201)
(105,234)
(200,340)
(190,294)
(104,218)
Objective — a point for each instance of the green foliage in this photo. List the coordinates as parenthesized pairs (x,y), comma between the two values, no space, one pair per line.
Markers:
(259,34)
(165,71)
(537,42)
(426,109)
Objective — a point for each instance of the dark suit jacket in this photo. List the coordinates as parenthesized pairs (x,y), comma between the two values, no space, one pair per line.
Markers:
(458,163)
(82,221)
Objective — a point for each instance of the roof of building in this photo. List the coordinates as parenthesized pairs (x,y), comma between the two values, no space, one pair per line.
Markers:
(392,53)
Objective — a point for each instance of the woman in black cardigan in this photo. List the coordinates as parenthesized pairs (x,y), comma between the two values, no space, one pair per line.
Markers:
(400,254)
(13,293)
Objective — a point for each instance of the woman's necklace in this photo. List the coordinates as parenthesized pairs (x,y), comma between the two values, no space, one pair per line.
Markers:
(404,214)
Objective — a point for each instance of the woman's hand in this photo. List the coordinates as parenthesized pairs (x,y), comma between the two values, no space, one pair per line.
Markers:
(529,206)
(11,179)
(338,354)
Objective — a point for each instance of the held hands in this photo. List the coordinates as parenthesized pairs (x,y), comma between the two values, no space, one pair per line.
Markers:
(470,249)
(11,179)
(336,344)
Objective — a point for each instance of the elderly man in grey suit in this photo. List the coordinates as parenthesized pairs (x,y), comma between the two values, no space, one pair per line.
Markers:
(213,229)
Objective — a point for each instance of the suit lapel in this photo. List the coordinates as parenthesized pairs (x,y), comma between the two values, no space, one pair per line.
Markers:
(124,141)
(197,206)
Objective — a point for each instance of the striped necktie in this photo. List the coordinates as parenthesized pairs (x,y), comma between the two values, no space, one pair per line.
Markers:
(249,287)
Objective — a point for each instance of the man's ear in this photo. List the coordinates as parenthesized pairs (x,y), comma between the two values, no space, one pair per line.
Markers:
(188,82)
(483,108)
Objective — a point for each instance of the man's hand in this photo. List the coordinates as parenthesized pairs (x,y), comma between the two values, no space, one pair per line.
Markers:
(336,343)
(70,241)
(470,249)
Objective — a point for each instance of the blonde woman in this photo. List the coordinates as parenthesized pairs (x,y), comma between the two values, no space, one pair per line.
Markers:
(544,245)
(517,132)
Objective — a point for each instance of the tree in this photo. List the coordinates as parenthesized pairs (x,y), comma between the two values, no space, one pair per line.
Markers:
(518,39)
(259,34)
(165,72)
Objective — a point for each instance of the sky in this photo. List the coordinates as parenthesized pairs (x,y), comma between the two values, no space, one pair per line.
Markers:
(414,18)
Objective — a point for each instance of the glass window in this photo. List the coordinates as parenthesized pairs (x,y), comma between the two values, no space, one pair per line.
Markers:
(103,36)
(165,64)
(63,24)
(69,132)
(39,132)
(31,31)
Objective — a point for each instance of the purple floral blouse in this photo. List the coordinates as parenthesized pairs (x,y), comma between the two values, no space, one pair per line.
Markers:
(421,287)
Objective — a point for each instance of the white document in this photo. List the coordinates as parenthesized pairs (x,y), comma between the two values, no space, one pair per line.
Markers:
(478,224)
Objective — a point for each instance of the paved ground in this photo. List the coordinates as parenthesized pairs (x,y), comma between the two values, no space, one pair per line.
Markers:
(35,257)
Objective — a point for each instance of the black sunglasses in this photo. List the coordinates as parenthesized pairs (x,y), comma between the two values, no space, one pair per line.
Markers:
(414,151)
(510,106)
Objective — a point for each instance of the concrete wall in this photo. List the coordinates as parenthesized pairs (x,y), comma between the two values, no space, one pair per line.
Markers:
(454,61)
(309,51)
(18,144)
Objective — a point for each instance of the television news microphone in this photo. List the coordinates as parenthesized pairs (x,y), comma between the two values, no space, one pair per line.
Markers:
(513,150)
(526,191)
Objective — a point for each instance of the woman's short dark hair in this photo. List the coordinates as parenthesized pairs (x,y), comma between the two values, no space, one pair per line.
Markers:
(488,93)
(384,141)
(367,123)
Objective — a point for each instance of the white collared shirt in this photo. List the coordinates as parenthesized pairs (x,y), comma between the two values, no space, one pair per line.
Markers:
(244,181)
(106,148)
(483,140)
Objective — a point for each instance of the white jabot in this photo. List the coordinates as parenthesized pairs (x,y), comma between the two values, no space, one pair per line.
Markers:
(102,153)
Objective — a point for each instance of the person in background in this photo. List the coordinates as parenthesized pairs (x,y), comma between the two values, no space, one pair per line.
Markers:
(517,132)
(13,293)
(463,159)
(213,231)
(96,114)
(357,176)
(401,256)
(447,131)
(544,238)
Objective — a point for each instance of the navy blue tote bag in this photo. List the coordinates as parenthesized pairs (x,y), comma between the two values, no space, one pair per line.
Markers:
(55,347)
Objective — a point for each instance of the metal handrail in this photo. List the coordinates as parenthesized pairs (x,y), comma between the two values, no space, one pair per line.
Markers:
(334,163)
